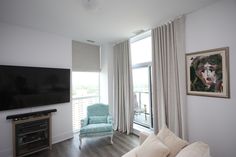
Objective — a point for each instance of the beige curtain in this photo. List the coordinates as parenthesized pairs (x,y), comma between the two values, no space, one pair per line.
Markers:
(169,95)
(123,90)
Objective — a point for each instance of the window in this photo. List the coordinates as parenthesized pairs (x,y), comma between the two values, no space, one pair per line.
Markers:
(85,91)
(142,105)
(141,52)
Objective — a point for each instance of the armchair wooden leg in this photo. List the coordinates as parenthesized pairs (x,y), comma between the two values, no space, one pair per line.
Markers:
(111,139)
(80,142)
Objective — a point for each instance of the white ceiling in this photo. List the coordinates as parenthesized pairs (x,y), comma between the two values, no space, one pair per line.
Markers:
(110,21)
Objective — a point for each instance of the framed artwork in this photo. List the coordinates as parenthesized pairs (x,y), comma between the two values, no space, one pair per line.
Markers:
(208,73)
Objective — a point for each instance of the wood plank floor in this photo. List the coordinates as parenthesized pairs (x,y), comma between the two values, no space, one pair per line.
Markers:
(93,147)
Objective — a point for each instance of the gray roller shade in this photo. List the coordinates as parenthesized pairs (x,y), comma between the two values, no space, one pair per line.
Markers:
(85,57)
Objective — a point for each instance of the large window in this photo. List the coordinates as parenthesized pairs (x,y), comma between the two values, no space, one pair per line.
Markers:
(141,52)
(85,91)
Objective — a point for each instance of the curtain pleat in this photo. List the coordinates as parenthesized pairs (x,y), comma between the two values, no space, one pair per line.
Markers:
(168,69)
(123,89)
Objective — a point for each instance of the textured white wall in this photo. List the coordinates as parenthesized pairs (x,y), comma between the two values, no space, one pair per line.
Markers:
(213,119)
(26,47)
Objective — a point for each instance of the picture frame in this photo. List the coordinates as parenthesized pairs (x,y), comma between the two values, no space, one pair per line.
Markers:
(207,73)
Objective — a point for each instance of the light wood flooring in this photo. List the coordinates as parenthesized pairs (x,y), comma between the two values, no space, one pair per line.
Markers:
(92,147)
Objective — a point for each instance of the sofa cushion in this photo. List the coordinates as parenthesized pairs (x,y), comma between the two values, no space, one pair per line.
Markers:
(96,128)
(152,147)
(196,149)
(97,119)
(131,153)
(173,142)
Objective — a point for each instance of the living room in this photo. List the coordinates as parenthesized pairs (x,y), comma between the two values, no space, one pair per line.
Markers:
(208,25)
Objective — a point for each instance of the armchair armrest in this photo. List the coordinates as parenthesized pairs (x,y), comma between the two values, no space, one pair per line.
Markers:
(84,122)
(109,119)
(142,137)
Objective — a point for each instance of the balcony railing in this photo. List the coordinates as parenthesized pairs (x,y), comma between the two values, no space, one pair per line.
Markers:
(142,109)
(79,109)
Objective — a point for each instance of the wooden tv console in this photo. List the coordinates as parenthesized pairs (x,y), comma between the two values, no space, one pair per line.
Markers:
(31,132)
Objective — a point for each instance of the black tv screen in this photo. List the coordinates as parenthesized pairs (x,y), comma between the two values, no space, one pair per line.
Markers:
(22,87)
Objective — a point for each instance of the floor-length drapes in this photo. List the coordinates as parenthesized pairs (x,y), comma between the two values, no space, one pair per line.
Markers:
(123,91)
(169,76)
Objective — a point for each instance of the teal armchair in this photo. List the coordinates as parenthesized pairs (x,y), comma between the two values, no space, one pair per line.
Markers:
(97,123)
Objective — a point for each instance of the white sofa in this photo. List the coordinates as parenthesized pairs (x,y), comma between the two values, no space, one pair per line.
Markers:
(166,144)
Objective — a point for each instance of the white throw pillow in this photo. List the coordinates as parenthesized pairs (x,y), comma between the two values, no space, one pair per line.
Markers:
(173,142)
(196,149)
(152,147)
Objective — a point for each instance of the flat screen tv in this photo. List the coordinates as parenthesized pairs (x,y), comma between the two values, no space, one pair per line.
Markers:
(22,87)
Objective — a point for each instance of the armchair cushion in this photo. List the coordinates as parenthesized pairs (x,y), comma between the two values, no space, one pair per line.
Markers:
(98,110)
(96,128)
(97,119)
(84,122)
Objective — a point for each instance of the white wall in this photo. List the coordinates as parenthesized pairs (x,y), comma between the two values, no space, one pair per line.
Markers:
(25,47)
(106,75)
(213,119)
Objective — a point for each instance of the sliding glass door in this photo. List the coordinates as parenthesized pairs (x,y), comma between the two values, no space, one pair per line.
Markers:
(142,95)
(141,56)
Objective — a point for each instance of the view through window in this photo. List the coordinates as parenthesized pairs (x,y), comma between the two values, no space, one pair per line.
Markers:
(141,62)
(85,91)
